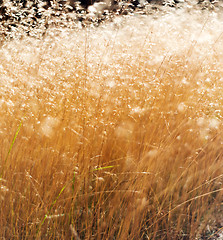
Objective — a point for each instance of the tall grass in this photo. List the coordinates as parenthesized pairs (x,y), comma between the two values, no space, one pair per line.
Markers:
(122,134)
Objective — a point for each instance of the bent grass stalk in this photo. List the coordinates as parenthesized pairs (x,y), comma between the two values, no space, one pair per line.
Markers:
(183,203)
(215,233)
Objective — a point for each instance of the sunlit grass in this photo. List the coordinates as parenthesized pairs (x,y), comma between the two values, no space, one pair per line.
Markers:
(121,134)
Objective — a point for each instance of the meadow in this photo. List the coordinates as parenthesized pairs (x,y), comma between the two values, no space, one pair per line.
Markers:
(114,132)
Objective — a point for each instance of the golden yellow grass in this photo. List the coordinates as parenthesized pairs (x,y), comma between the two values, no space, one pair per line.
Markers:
(121,132)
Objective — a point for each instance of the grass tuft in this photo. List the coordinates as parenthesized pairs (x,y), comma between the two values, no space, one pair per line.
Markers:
(122,137)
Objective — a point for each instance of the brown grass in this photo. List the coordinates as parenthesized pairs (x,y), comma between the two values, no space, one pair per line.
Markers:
(113,144)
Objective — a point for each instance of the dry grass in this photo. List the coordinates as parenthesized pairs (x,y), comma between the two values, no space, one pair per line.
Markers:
(120,138)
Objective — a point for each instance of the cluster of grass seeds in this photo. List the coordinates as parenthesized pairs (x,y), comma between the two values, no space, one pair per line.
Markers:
(112,134)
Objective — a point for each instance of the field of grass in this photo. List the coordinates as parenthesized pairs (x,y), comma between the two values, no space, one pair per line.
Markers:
(114,132)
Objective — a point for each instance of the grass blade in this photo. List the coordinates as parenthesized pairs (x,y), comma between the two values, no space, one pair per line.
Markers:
(10,149)
(45,217)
